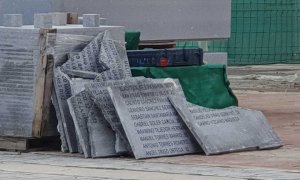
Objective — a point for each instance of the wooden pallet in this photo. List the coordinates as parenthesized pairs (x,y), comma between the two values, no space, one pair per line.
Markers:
(29,144)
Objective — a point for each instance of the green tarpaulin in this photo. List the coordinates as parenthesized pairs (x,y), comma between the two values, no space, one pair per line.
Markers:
(206,85)
(132,40)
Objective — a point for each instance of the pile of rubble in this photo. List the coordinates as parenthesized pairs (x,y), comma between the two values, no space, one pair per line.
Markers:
(103,111)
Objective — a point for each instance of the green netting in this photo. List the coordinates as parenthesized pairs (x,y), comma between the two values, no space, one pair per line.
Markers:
(205,85)
(262,32)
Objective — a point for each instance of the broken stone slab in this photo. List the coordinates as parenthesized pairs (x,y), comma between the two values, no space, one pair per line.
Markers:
(91,20)
(60,127)
(90,123)
(113,54)
(80,106)
(226,130)
(102,138)
(98,92)
(42,20)
(78,85)
(151,124)
(59,18)
(12,20)
(63,92)
(87,60)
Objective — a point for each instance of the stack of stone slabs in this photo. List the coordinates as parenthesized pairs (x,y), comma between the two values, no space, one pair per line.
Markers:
(96,136)
(113,53)
(59,45)
(22,82)
(152,126)
(226,130)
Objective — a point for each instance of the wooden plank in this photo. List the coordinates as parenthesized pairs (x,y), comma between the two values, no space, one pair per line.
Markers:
(43,87)
(12,143)
(72,18)
(29,144)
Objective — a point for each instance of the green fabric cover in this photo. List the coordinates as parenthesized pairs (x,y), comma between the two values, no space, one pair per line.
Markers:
(132,40)
(205,85)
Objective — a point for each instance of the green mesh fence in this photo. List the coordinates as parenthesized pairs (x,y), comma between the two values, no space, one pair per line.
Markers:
(262,32)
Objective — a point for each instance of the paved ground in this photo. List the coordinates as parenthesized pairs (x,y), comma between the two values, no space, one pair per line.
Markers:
(281,105)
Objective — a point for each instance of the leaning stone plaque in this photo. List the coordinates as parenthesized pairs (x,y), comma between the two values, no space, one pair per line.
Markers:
(79,106)
(151,124)
(88,60)
(226,130)
(90,123)
(113,54)
(102,138)
(63,92)
(99,92)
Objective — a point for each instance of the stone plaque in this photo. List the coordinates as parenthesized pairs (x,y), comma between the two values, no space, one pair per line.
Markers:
(60,127)
(77,85)
(63,92)
(151,124)
(102,138)
(113,54)
(226,130)
(90,123)
(99,93)
(88,60)
(79,106)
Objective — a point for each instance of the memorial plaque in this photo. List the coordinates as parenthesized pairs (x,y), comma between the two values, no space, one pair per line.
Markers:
(226,130)
(78,85)
(60,127)
(151,124)
(88,59)
(79,106)
(63,92)
(102,138)
(113,54)
(99,93)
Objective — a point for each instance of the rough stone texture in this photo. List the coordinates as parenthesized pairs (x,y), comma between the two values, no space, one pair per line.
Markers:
(63,92)
(114,55)
(151,124)
(79,106)
(88,60)
(42,20)
(12,20)
(226,130)
(59,19)
(60,126)
(99,93)
(59,45)
(78,85)
(102,138)
(91,20)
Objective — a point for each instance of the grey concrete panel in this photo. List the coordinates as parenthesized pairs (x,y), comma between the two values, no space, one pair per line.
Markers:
(12,20)
(163,20)
(215,58)
(157,20)
(226,130)
(151,124)
(17,81)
